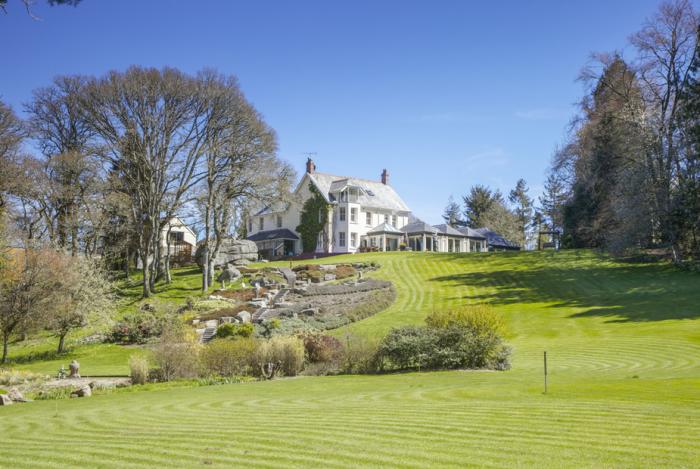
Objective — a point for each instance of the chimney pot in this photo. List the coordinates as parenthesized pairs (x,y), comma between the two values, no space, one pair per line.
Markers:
(385,177)
(310,166)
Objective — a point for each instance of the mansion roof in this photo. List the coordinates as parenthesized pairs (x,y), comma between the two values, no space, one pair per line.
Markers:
(373,194)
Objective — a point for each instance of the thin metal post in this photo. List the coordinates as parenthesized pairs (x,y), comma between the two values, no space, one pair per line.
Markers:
(545,372)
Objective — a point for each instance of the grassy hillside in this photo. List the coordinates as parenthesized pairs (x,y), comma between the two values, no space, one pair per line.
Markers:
(624,352)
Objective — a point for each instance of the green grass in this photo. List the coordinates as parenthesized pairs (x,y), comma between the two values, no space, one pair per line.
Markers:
(623,342)
(104,359)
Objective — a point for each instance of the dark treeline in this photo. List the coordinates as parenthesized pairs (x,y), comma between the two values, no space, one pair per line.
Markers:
(101,164)
(627,177)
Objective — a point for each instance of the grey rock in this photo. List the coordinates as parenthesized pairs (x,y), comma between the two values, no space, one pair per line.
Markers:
(83,391)
(241,262)
(289,275)
(229,274)
(329,277)
(232,250)
(244,316)
(5,400)
(16,396)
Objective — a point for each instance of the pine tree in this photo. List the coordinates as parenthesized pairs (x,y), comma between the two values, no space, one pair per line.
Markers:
(478,202)
(451,213)
(523,210)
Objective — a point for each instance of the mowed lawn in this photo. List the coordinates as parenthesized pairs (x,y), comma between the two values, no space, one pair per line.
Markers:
(623,342)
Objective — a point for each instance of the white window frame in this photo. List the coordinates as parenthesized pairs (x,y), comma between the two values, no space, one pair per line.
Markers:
(353,214)
(368,218)
(353,240)
(341,239)
(386,219)
(394,221)
(261,224)
(342,215)
(279,221)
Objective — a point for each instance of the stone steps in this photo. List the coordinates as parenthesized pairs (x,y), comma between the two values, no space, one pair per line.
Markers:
(209,334)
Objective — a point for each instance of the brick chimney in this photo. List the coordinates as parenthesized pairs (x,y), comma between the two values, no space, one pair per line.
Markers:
(310,166)
(385,177)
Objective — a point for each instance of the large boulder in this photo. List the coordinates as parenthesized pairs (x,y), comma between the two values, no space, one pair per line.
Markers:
(229,274)
(5,400)
(231,251)
(16,396)
(244,317)
(83,391)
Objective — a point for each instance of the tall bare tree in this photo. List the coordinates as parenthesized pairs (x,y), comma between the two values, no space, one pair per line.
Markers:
(240,164)
(153,126)
(11,135)
(71,172)
(665,47)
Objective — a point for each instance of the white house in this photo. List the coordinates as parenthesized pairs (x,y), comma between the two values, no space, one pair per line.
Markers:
(363,215)
(180,239)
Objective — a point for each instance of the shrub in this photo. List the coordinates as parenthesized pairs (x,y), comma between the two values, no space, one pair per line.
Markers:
(228,357)
(234,330)
(480,319)
(378,301)
(50,394)
(137,328)
(18,378)
(344,271)
(359,355)
(464,339)
(138,366)
(408,347)
(279,355)
(322,348)
(176,353)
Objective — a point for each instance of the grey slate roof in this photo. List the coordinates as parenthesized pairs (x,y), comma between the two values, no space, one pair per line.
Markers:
(384,228)
(448,230)
(496,240)
(273,208)
(374,194)
(419,226)
(470,233)
(282,233)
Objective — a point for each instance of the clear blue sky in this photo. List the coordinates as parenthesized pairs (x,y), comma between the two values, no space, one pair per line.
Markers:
(444,94)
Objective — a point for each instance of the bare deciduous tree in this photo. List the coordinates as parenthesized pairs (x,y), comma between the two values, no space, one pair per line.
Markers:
(153,126)
(665,45)
(240,164)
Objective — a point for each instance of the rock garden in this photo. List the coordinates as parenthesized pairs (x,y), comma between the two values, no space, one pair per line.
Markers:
(301,298)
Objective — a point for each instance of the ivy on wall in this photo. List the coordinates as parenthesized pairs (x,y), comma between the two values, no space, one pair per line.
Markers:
(314,215)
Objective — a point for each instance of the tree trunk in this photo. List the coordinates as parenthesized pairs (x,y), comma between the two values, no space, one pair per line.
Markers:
(5,340)
(126,262)
(205,266)
(145,268)
(61,342)
(168,278)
